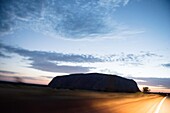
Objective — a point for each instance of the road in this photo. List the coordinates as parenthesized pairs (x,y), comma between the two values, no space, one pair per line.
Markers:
(145,105)
(43,100)
(155,105)
(152,105)
(165,108)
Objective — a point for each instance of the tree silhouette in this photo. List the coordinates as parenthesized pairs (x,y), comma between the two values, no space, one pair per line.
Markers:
(146,89)
(18,79)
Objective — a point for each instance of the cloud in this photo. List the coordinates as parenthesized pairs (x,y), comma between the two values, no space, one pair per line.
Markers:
(7,72)
(73,19)
(49,77)
(49,61)
(126,2)
(73,63)
(53,67)
(164,82)
(108,71)
(166,65)
(132,59)
(51,56)
(139,81)
(3,55)
(16,78)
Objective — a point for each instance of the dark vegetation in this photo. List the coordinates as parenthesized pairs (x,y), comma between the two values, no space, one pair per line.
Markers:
(4,83)
(146,89)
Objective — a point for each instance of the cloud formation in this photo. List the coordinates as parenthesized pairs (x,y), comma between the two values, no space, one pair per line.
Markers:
(166,65)
(16,78)
(3,55)
(73,63)
(133,59)
(7,72)
(163,82)
(73,19)
(49,61)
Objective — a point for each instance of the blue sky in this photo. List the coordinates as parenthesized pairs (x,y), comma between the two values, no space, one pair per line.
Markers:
(42,39)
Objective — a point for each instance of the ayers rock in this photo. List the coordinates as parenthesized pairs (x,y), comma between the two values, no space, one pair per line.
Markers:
(95,82)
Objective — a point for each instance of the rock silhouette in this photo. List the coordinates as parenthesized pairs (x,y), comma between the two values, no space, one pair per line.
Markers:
(95,82)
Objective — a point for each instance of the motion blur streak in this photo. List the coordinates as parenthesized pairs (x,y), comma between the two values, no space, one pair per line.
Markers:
(141,106)
(45,100)
(165,108)
(160,104)
(145,105)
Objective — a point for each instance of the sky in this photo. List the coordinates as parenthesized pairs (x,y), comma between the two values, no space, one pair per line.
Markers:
(41,39)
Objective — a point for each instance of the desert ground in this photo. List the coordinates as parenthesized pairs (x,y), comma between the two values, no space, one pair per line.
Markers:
(36,99)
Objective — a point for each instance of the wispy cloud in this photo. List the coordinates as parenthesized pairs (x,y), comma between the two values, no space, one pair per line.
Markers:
(51,56)
(58,62)
(163,82)
(7,72)
(166,65)
(3,55)
(49,77)
(73,19)
(49,61)
(54,67)
(126,2)
(16,78)
(75,63)
(133,59)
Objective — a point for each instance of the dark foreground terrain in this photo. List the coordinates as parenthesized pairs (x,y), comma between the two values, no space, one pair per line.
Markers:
(40,99)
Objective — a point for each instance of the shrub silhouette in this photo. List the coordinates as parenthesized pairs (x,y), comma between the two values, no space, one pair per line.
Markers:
(146,89)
